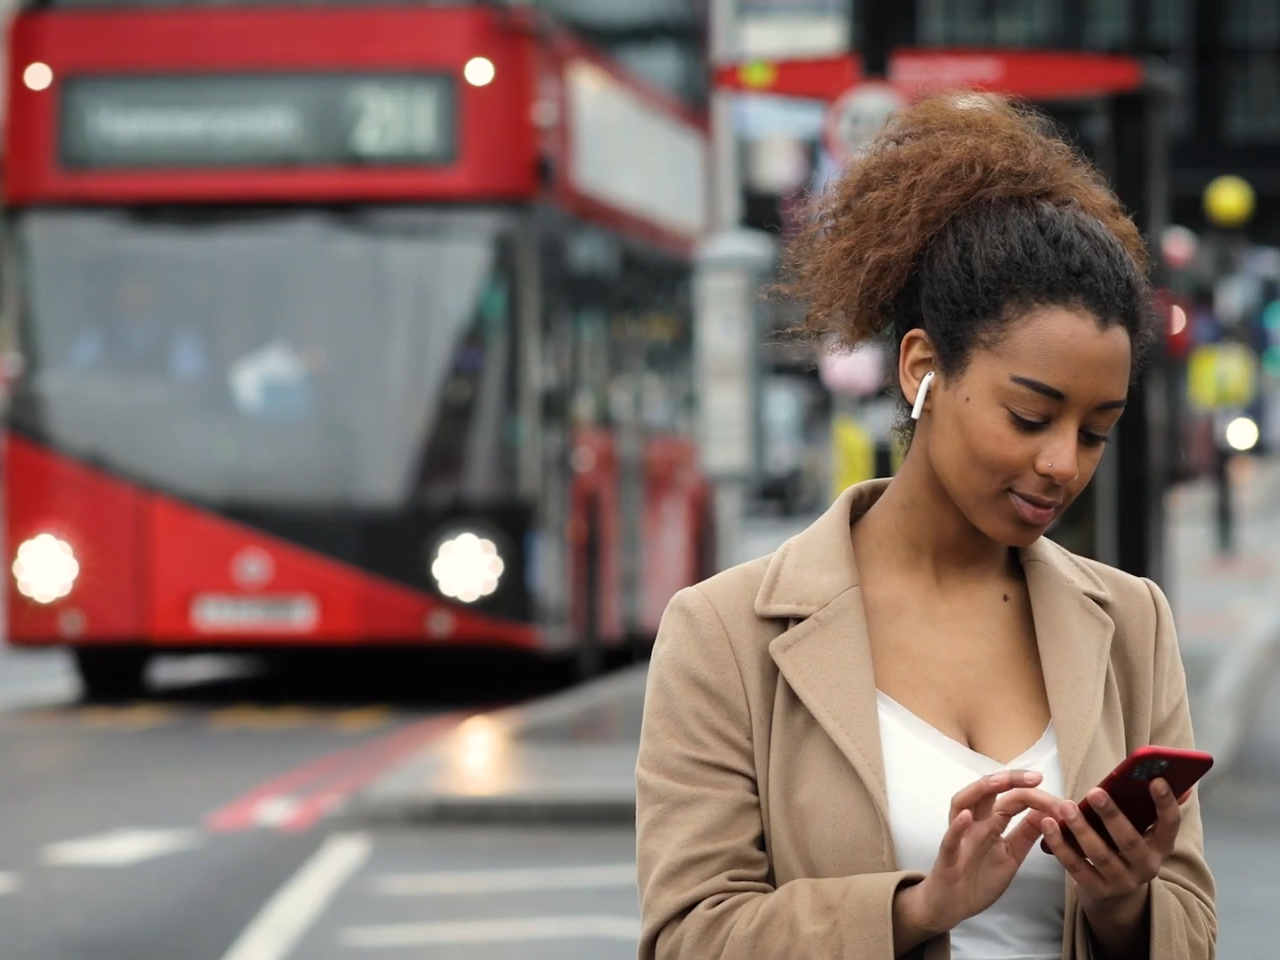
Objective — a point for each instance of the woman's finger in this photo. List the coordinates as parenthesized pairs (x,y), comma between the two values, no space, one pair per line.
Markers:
(1132,846)
(953,840)
(989,787)
(1029,798)
(1023,837)
(1035,804)
(1106,861)
(1164,834)
(1085,876)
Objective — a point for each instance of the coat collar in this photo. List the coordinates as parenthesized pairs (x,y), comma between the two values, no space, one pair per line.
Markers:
(817,565)
(825,656)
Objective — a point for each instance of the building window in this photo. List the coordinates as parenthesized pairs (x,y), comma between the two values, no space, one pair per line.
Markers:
(1251,24)
(1252,112)
(796,28)
(993,23)
(1106,24)
(1169,26)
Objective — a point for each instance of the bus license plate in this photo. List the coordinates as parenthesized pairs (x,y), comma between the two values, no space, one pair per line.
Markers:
(218,613)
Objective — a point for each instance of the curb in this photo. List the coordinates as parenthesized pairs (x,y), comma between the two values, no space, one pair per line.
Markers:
(541,776)
(519,811)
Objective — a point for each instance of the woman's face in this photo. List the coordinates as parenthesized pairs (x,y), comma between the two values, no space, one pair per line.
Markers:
(1019,434)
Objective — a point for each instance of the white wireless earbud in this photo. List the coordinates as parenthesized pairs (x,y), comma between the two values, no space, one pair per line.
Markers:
(920,395)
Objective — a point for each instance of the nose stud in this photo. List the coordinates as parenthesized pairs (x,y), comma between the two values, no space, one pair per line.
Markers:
(1051,463)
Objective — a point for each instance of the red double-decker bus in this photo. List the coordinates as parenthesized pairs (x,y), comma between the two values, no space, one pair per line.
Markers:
(341,326)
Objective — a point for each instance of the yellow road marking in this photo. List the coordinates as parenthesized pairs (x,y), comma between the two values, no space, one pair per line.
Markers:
(142,716)
(362,720)
(262,719)
(254,718)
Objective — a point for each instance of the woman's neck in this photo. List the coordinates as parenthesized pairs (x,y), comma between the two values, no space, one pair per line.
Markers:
(916,526)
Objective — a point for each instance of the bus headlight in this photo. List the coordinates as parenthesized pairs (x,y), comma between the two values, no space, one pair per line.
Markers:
(45,568)
(467,567)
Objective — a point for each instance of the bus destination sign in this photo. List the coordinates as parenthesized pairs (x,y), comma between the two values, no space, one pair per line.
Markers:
(257,121)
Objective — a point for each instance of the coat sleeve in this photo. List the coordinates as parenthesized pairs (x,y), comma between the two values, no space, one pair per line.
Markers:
(706,885)
(1184,922)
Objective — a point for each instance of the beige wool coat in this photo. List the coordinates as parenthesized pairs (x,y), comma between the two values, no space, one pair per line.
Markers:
(762,816)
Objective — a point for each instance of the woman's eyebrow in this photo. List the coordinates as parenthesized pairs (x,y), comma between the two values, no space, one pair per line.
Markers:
(1053,393)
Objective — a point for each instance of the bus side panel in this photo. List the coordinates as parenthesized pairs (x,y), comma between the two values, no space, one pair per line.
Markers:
(101,519)
(594,538)
(673,516)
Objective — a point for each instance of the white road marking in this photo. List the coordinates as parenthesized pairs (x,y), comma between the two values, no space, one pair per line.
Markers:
(120,848)
(506,881)
(286,917)
(9,883)
(506,930)
(275,811)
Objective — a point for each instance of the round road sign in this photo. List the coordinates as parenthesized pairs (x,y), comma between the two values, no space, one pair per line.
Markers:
(856,116)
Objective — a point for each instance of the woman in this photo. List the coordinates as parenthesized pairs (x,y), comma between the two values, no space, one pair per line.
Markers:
(856,747)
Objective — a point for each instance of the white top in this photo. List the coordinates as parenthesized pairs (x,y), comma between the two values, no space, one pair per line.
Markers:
(924,769)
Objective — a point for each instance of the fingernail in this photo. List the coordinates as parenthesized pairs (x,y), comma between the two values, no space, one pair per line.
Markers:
(1048,826)
(1162,788)
(1100,799)
(1072,811)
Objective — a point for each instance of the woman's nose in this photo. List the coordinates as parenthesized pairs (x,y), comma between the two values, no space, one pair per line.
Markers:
(1059,462)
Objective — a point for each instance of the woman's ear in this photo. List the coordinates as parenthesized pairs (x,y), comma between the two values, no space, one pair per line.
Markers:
(916,358)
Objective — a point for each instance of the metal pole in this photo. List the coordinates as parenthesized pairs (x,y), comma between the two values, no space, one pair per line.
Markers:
(1222,479)
(726,191)
(870,24)
(1140,157)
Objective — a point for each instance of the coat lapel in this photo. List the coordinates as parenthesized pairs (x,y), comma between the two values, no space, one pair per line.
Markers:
(826,660)
(1073,634)
(826,657)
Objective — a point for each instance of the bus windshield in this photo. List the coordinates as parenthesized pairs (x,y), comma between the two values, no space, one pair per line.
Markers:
(294,358)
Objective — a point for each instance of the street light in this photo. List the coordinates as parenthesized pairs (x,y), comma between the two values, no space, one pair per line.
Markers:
(1242,434)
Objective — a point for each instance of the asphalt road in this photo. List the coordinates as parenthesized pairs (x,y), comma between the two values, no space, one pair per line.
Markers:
(478,893)
(206,823)
(157,830)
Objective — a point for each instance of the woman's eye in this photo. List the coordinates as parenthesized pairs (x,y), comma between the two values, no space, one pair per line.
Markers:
(1028,426)
(1091,439)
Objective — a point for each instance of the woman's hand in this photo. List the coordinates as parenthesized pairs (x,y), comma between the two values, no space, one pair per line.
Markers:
(1113,879)
(976,861)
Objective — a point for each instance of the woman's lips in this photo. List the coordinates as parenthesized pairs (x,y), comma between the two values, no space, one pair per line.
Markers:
(1034,510)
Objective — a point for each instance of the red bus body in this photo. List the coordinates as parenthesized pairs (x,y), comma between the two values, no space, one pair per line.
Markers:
(173,564)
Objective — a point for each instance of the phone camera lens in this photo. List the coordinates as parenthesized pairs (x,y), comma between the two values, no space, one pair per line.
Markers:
(1150,768)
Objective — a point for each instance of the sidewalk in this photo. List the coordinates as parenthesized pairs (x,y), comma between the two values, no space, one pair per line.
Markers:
(1227,608)
(572,756)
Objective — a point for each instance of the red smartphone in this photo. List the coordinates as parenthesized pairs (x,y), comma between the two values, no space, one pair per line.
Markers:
(1129,785)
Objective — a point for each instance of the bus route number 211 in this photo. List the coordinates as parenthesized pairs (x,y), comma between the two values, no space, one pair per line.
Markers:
(400,120)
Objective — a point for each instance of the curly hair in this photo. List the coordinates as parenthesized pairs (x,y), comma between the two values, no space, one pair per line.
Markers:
(961,214)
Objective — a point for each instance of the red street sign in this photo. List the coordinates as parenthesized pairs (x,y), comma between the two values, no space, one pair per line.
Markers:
(1029,74)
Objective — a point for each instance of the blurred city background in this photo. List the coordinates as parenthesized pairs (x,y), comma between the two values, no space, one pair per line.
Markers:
(374,373)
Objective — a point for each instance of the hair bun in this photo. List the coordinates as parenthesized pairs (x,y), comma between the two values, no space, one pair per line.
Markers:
(862,236)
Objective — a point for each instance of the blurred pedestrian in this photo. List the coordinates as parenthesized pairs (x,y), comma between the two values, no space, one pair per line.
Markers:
(855,747)
(139,340)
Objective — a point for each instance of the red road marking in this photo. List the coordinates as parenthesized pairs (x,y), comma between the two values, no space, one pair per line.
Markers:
(317,787)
